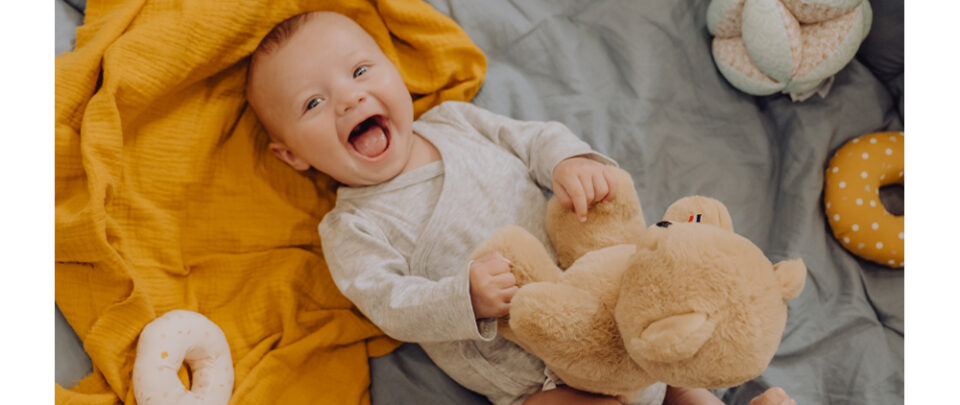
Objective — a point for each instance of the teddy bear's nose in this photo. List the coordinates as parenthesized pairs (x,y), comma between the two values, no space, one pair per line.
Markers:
(663,224)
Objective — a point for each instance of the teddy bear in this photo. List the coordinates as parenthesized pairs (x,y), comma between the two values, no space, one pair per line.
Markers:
(685,301)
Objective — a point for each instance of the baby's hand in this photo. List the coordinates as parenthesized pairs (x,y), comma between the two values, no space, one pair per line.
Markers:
(492,285)
(579,183)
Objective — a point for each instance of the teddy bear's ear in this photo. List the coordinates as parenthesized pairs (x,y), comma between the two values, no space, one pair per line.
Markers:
(791,274)
(673,338)
(700,209)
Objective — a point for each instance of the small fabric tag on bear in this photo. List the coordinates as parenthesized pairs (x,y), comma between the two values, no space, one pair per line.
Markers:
(552,380)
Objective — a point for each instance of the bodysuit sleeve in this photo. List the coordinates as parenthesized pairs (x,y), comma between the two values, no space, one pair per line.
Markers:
(539,144)
(376,278)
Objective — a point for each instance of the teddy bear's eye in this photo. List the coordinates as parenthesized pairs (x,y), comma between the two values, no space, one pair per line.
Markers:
(663,224)
(697,217)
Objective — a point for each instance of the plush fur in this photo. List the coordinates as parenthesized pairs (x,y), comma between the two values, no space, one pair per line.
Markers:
(691,304)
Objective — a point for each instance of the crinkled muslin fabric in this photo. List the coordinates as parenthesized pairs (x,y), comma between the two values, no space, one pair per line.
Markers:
(163,202)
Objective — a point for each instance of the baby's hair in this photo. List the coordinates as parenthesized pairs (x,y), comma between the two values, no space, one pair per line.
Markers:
(274,39)
(270,43)
(282,32)
(277,37)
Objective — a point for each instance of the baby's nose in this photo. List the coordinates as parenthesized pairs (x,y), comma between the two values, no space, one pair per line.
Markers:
(351,102)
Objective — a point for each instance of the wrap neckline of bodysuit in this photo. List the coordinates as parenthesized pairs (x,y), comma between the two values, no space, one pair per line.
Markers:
(415,176)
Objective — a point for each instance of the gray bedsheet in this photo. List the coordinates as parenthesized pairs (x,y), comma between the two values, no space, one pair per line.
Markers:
(636,80)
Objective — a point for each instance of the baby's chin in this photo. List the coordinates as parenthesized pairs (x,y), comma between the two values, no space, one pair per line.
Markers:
(375,176)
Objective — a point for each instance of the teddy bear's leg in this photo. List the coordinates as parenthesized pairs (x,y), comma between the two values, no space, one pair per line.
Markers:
(568,328)
(530,261)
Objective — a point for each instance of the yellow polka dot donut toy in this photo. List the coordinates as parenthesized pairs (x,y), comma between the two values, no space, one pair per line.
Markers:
(169,341)
(851,197)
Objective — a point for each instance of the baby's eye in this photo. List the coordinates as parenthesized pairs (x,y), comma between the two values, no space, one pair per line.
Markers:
(314,102)
(360,71)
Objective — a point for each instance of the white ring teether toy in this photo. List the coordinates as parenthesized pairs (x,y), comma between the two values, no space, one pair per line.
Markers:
(176,337)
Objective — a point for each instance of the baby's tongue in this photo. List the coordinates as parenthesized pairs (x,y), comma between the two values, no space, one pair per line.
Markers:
(371,142)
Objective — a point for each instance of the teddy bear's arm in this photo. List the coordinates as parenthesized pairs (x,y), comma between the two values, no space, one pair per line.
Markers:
(610,222)
(530,260)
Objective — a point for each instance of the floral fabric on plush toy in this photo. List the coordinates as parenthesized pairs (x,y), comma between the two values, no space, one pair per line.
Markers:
(792,46)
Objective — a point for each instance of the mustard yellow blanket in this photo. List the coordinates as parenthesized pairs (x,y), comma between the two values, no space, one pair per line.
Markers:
(163,202)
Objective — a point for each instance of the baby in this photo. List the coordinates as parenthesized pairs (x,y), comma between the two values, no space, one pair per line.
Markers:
(416,197)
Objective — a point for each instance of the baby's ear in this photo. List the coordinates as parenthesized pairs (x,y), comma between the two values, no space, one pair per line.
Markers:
(791,274)
(700,209)
(284,153)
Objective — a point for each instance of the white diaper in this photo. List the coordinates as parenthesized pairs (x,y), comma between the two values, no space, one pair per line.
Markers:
(651,395)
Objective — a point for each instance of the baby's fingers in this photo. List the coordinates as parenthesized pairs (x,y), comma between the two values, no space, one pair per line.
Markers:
(579,199)
(504,280)
(562,196)
(586,181)
(611,182)
(601,190)
(508,294)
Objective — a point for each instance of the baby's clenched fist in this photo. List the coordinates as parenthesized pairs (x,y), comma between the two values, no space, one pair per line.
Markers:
(579,183)
(492,286)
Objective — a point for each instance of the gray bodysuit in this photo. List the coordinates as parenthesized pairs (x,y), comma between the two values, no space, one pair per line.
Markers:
(400,250)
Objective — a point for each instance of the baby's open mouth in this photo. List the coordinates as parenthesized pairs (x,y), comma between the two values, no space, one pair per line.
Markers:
(370,137)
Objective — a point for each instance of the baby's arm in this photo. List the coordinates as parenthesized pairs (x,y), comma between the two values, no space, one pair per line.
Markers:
(376,278)
(541,145)
(557,159)
(690,396)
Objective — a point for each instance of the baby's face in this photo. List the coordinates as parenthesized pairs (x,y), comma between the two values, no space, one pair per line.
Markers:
(332,100)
